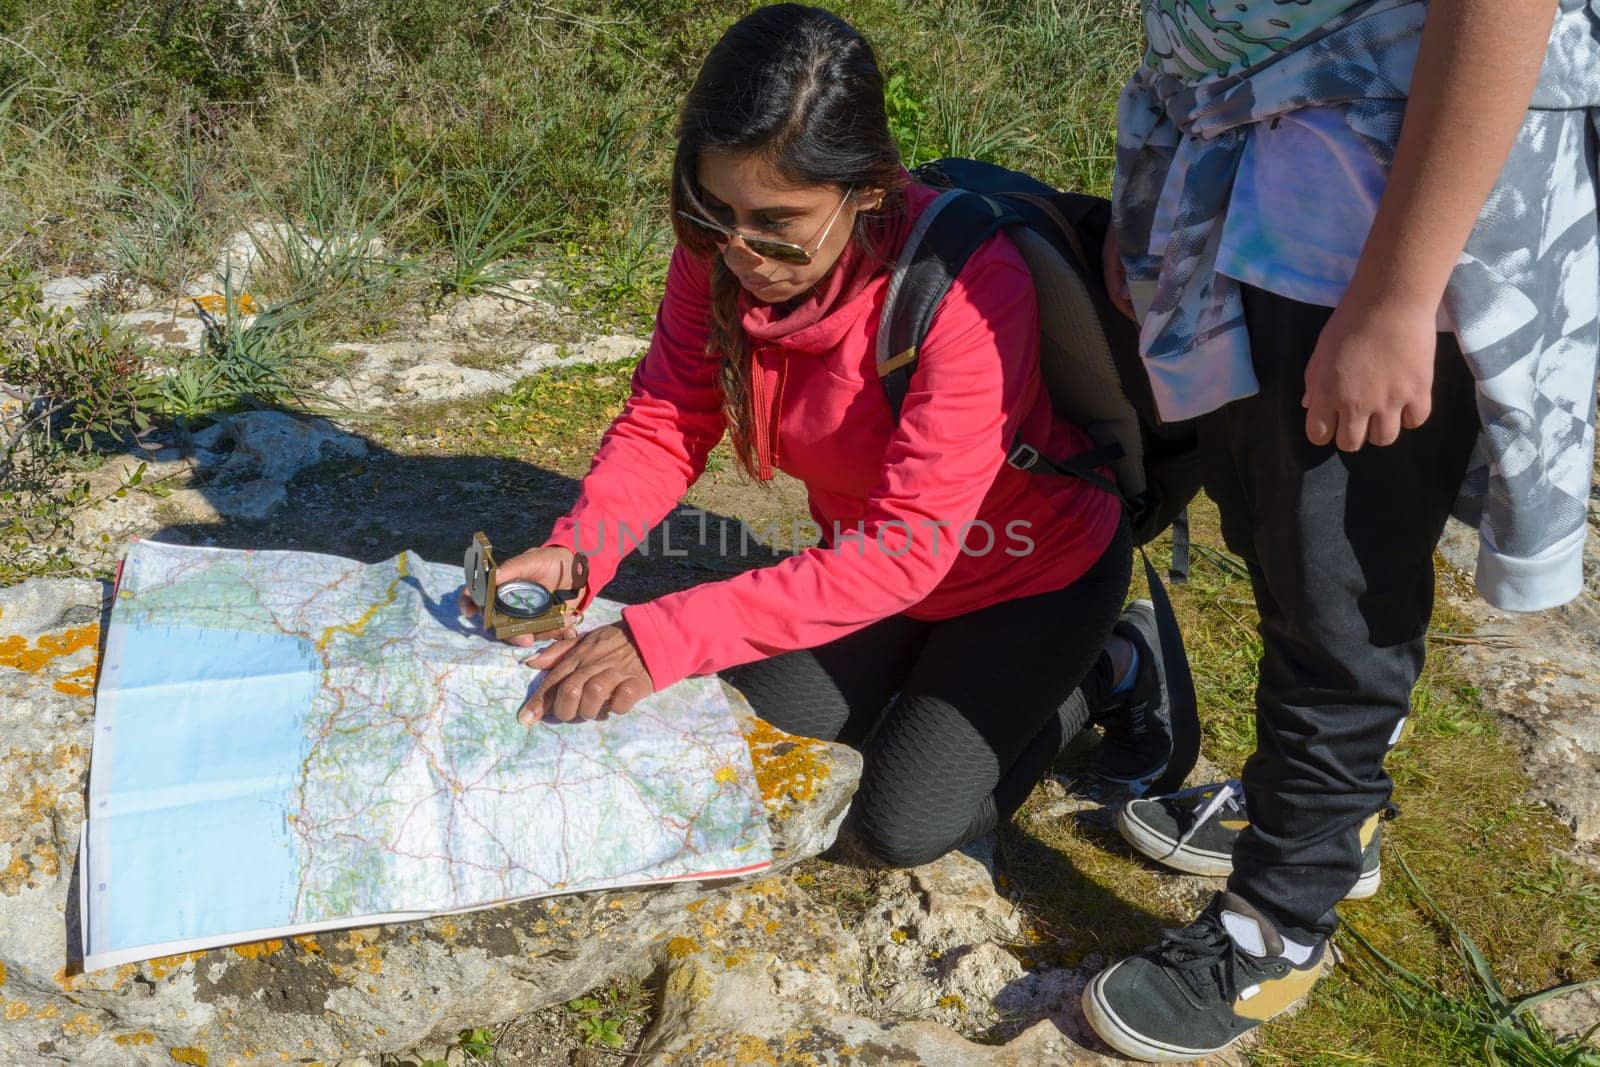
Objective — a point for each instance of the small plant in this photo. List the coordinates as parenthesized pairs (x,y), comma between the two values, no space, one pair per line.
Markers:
(163,222)
(240,365)
(328,237)
(1504,1028)
(907,117)
(477,1044)
(67,379)
(635,265)
(972,128)
(65,386)
(600,1030)
(602,1017)
(488,223)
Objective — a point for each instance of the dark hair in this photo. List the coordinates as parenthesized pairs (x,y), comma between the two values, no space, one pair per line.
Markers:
(800,87)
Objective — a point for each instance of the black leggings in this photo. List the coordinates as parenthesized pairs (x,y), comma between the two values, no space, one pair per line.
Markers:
(980,707)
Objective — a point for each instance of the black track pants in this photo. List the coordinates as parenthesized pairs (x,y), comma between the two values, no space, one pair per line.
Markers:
(1340,550)
(957,720)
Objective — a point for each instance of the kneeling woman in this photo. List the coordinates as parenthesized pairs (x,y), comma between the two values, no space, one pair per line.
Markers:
(945,663)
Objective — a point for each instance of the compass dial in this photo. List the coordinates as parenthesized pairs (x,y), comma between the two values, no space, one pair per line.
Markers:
(522,599)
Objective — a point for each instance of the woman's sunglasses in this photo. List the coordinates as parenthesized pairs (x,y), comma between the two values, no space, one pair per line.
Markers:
(768,247)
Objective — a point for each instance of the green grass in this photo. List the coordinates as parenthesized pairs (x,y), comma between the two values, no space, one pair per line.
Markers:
(556,416)
(460,134)
(1485,1019)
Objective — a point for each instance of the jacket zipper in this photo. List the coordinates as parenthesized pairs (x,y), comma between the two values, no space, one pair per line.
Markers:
(765,430)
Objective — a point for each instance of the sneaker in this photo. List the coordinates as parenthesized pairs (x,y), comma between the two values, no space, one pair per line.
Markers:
(1202,988)
(1137,741)
(1194,830)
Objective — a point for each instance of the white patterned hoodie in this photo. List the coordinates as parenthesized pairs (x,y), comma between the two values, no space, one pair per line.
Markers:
(1524,297)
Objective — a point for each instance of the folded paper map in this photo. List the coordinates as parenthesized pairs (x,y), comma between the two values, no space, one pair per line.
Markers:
(287,742)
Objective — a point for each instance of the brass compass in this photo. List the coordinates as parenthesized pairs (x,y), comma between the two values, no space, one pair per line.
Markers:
(518,606)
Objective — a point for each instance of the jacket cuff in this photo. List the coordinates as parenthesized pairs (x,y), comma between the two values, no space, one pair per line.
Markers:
(654,645)
(1548,580)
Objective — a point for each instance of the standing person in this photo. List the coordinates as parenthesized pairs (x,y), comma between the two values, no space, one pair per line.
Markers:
(956,601)
(1360,239)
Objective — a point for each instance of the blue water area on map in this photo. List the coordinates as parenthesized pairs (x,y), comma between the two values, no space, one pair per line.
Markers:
(202,776)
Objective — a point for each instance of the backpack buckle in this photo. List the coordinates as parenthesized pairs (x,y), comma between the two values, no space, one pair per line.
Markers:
(1023,456)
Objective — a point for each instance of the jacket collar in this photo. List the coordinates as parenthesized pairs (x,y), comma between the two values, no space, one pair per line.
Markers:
(819,321)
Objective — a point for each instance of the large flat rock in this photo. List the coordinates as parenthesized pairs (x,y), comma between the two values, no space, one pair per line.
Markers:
(355,992)
(1540,673)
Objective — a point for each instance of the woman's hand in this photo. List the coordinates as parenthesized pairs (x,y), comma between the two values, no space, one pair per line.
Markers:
(587,677)
(1115,274)
(551,567)
(1371,373)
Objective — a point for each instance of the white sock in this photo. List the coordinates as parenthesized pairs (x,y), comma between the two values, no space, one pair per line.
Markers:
(1296,953)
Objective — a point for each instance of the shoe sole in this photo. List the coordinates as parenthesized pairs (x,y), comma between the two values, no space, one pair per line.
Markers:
(1120,1036)
(1148,841)
(1366,886)
(1154,845)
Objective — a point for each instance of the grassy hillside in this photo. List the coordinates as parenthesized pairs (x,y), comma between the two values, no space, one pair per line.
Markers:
(135,135)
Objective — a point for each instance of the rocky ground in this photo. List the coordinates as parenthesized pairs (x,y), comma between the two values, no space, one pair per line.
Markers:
(932,967)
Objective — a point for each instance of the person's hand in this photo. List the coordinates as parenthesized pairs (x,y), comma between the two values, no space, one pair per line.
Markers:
(551,567)
(1371,374)
(587,677)
(1116,276)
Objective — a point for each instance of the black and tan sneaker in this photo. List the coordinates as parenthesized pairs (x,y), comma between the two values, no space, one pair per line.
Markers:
(1136,745)
(1193,831)
(1202,988)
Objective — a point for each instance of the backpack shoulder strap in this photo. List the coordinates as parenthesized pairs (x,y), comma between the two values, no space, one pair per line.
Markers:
(932,258)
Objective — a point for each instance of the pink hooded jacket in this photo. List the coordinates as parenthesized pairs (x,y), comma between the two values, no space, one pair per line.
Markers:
(899,494)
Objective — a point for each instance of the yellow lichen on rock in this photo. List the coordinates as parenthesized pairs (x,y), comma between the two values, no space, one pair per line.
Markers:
(138,1037)
(45,803)
(360,935)
(257,949)
(689,982)
(679,947)
(749,1049)
(14,1011)
(162,966)
(79,683)
(787,767)
(371,957)
(104,980)
(17,653)
(195,1057)
(217,304)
